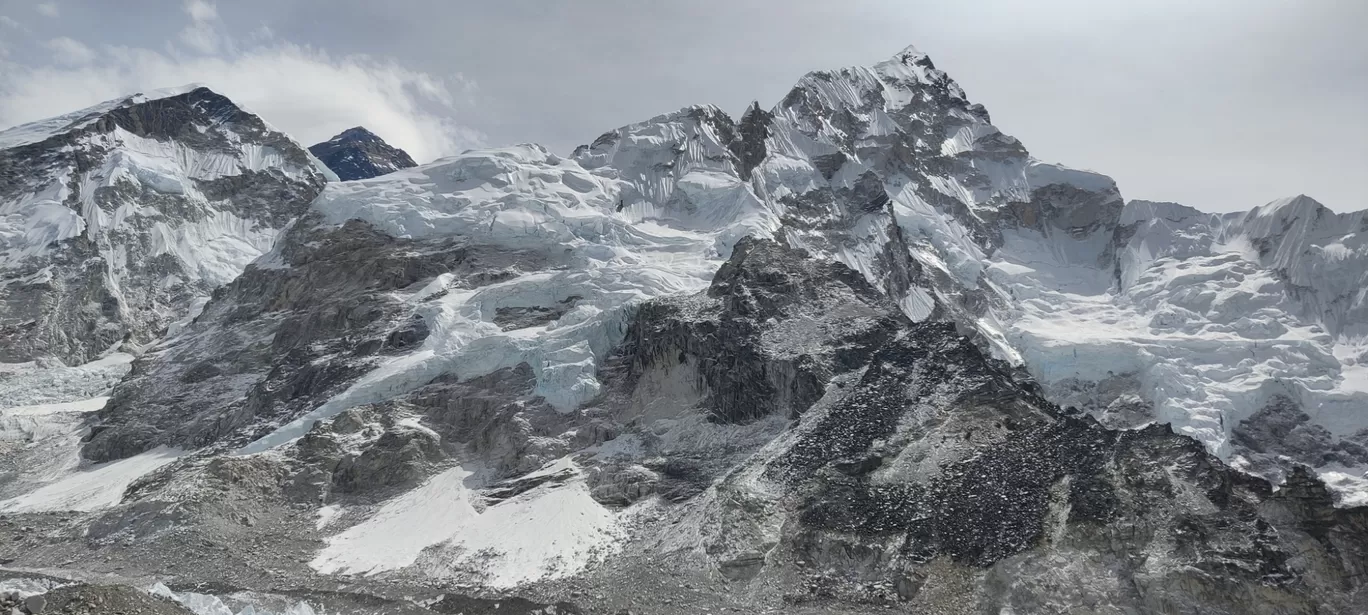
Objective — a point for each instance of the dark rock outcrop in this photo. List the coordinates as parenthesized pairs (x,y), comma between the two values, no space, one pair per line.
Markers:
(829,318)
(357,153)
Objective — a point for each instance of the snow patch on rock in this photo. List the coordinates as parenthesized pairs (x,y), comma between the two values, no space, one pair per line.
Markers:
(88,489)
(445,529)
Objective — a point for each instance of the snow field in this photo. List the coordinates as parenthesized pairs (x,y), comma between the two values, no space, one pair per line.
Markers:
(444,528)
(87,489)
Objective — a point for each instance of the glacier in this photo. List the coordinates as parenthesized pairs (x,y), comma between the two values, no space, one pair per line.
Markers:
(528,198)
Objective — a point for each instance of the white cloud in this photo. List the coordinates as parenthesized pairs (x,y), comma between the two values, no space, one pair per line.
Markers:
(200,10)
(201,35)
(48,9)
(10,23)
(70,51)
(301,90)
(261,34)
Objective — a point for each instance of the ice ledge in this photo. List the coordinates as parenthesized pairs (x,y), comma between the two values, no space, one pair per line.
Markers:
(1041,174)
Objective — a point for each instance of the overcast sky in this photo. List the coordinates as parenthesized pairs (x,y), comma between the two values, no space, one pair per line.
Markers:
(1218,104)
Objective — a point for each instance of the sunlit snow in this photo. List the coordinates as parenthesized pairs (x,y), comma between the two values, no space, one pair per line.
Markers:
(92,488)
(548,532)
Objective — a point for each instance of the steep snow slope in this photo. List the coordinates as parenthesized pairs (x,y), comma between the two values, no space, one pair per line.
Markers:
(89,488)
(1238,330)
(553,533)
(116,223)
(114,219)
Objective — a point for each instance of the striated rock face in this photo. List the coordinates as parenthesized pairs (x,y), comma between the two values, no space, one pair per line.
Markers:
(855,352)
(357,153)
(118,218)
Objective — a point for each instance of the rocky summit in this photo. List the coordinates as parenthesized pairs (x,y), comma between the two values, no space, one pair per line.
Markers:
(357,153)
(855,353)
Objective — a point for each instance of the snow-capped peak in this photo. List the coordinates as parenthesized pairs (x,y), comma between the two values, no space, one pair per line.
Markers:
(911,55)
(891,170)
(355,134)
(357,153)
(143,202)
(1290,208)
(41,130)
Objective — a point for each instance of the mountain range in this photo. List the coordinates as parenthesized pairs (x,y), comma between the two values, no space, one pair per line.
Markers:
(856,352)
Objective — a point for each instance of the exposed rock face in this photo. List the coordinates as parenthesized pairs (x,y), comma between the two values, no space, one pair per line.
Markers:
(750,370)
(937,458)
(278,341)
(119,217)
(357,153)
